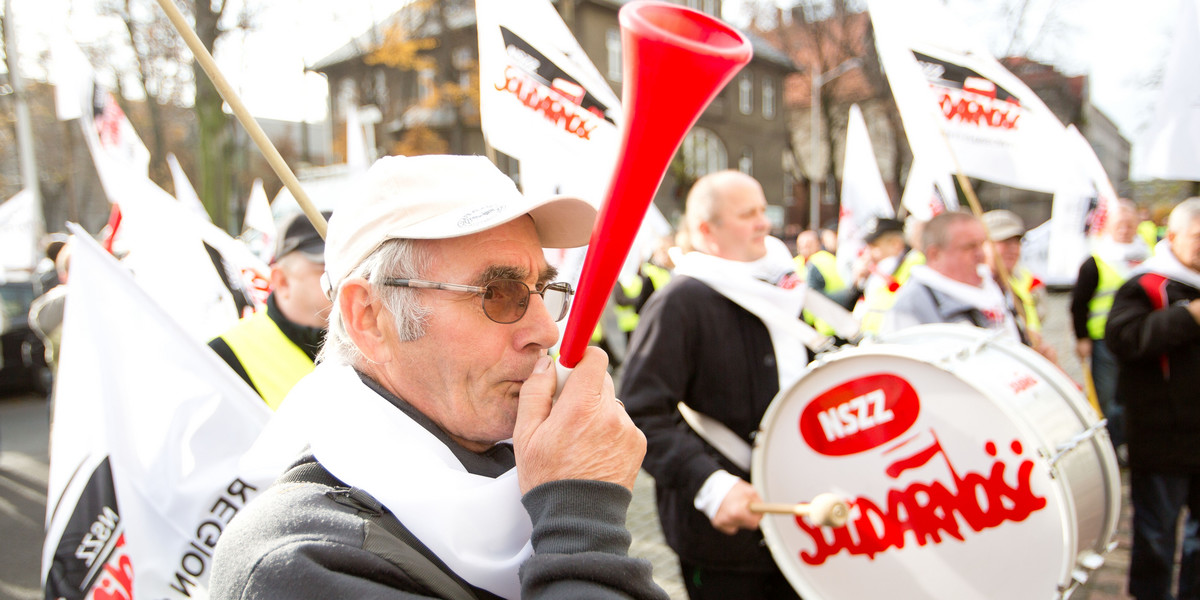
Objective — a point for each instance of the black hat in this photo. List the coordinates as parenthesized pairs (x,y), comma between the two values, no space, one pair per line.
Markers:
(880,227)
(299,235)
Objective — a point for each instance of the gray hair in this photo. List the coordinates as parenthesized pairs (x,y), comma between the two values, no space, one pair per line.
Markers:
(937,230)
(406,259)
(1183,214)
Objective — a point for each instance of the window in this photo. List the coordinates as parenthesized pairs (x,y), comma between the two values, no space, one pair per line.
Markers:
(768,98)
(703,153)
(612,48)
(461,58)
(746,162)
(708,6)
(425,83)
(746,93)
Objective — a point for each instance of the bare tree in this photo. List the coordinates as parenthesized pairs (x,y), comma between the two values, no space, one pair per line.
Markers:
(820,35)
(158,71)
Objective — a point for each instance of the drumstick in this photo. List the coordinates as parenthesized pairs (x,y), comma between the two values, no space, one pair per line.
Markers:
(825,509)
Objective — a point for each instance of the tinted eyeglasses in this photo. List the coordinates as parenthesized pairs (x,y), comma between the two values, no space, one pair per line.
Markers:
(504,300)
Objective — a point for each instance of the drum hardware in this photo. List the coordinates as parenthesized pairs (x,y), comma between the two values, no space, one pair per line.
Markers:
(826,509)
(985,439)
(1088,563)
(1086,435)
(968,350)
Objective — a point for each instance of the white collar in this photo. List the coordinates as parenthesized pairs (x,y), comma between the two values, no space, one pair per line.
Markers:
(1165,263)
(475,524)
(753,286)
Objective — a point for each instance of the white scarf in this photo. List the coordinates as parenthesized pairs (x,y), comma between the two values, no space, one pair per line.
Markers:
(1165,263)
(475,524)
(1123,258)
(987,298)
(753,286)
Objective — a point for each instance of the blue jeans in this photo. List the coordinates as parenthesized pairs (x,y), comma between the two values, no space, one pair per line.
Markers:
(1158,500)
(1104,377)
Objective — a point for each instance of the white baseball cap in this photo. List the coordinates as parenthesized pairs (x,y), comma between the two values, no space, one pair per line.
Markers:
(437,197)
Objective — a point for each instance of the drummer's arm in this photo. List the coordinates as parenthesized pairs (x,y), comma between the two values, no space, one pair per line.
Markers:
(732,507)
(656,372)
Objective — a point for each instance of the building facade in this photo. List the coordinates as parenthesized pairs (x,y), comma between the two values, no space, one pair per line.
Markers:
(431,104)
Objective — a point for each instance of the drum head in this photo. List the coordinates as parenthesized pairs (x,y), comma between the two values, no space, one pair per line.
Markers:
(949,497)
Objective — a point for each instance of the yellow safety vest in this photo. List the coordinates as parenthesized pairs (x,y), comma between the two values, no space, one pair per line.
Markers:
(826,264)
(881,300)
(1022,283)
(627,316)
(1102,299)
(1148,231)
(273,362)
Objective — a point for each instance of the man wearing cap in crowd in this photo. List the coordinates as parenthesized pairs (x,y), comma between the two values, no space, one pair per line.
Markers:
(437,464)
(954,285)
(1005,230)
(885,250)
(273,348)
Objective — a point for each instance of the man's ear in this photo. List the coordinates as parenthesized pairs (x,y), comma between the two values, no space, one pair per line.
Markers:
(368,323)
(279,280)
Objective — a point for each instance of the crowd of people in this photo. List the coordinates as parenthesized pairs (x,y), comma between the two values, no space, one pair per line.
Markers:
(413,350)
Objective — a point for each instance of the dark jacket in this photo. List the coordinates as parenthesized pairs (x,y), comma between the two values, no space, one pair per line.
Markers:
(1157,345)
(696,346)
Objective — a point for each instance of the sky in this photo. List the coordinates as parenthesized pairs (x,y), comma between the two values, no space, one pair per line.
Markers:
(1121,47)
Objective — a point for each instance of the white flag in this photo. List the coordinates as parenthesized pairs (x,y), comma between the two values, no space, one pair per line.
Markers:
(114,144)
(1172,144)
(543,102)
(184,192)
(259,230)
(18,224)
(952,94)
(929,190)
(864,198)
(1082,204)
(149,426)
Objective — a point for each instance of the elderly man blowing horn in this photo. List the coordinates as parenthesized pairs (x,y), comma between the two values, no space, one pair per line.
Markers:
(438,466)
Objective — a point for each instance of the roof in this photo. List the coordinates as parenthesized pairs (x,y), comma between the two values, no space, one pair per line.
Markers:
(370,39)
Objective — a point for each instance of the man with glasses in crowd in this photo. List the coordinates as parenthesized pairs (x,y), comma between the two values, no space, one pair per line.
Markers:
(438,464)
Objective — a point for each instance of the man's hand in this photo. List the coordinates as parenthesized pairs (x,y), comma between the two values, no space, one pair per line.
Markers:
(734,513)
(586,434)
(1083,348)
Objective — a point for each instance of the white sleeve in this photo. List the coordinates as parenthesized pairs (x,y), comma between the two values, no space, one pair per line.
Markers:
(712,493)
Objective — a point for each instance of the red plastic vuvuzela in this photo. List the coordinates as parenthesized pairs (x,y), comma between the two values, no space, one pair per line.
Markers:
(676,60)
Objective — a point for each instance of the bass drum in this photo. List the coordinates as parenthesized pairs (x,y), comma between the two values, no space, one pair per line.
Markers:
(974,468)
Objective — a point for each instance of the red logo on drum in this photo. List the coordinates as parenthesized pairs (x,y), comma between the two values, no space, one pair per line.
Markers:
(860,415)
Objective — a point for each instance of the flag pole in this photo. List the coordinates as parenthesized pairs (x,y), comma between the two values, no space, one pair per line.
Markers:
(243,115)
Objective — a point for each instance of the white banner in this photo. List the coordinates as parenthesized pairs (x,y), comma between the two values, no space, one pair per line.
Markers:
(864,198)
(1171,148)
(149,426)
(948,85)
(542,100)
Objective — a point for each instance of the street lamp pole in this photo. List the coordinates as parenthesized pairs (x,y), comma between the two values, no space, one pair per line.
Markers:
(818,80)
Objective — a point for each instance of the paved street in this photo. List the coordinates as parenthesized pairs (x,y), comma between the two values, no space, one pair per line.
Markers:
(23,471)
(24,464)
